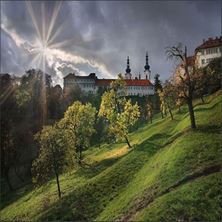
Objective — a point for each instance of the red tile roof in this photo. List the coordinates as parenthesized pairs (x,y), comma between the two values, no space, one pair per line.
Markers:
(104,82)
(129,82)
(210,43)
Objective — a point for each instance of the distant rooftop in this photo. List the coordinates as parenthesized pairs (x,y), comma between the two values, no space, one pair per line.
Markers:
(210,43)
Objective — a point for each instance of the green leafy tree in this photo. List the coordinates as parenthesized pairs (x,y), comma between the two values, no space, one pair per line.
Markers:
(78,123)
(51,159)
(119,112)
(213,75)
(157,83)
(157,87)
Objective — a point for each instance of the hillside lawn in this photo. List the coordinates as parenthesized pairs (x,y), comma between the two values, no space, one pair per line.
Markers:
(171,173)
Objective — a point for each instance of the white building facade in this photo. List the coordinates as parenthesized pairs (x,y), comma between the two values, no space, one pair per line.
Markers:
(207,51)
(91,84)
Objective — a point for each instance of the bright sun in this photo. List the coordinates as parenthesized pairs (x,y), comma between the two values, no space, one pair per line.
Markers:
(45,35)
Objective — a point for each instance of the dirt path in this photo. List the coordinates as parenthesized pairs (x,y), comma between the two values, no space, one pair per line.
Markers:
(151,194)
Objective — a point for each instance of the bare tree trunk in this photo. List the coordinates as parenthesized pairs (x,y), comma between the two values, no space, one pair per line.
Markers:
(57,181)
(128,143)
(202,99)
(191,112)
(55,166)
(179,109)
(161,114)
(171,114)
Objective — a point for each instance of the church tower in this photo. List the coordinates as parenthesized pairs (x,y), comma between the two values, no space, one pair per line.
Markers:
(147,72)
(128,74)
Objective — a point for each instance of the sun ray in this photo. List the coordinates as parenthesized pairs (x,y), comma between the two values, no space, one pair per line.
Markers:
(61,44)
(35,59)
(53,19)
(57,32)
(43,23)
(32,15)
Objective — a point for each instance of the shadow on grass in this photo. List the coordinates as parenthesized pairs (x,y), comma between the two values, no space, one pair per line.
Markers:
(89,171)
(207,108)
(210,129)
(87,201)
(15,195)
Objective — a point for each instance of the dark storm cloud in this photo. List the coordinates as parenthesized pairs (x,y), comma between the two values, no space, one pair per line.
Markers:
(108,32)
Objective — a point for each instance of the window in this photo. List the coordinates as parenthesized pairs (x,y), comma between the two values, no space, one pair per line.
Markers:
(211,51)
(208,60)
(203,61)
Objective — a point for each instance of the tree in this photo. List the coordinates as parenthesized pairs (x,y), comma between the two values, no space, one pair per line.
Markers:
(150,111)
(157,83)
(8,109)
(212,73)
(184,79)
(163,105)
(169,96)
(55,99)
(78,123)
(51,159)
(119,112)
(179,103)
(157,87)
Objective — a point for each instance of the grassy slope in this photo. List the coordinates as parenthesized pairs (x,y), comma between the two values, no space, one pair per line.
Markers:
(121,181)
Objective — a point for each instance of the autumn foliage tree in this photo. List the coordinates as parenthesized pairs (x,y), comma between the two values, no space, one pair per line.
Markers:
(118,111)
(150,111)
(78,125)
(169,96)
(185,80)
(163,106)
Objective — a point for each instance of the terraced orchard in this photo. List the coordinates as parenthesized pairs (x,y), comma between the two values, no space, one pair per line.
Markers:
(172,173)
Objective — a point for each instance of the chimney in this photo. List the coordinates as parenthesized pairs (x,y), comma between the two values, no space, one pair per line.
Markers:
(203,40)
(139,76)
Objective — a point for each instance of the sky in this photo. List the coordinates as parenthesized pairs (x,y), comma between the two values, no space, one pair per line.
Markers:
(97,36)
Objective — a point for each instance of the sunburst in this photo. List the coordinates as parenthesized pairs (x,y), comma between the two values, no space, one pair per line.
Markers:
(44,43)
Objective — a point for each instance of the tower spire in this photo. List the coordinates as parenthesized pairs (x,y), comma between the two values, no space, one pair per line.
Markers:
(147,67)
(128,70)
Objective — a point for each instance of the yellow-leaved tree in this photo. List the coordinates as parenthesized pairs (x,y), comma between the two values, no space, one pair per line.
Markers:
(118,111)
(78,125)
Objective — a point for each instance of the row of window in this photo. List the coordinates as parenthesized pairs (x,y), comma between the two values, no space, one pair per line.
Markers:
(85,85)
(211,51)
(137,94)
(204,61)
(137,87)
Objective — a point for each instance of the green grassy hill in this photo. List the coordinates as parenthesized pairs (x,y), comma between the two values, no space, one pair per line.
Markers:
(171,173)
